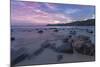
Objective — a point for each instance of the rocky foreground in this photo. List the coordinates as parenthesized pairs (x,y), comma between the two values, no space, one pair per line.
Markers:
(60,45)
(80,44)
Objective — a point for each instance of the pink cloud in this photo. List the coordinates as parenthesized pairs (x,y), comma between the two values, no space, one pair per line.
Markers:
(31,13)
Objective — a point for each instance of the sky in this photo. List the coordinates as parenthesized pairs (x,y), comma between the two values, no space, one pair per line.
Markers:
(39,13)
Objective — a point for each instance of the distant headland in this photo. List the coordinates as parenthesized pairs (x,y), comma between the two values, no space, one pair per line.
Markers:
(89,22)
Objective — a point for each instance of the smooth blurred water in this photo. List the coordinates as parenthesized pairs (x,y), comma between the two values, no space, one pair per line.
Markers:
(31,40)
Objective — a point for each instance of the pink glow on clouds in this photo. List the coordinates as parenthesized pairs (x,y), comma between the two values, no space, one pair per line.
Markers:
(29,12)
(48,13)
(41,18)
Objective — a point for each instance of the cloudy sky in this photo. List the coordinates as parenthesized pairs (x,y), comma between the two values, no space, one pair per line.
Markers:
(38,13)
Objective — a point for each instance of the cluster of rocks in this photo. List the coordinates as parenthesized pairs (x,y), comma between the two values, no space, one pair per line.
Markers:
(72,32)
(81,44)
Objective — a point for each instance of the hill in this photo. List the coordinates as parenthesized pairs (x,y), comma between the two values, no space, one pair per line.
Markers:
(89,22)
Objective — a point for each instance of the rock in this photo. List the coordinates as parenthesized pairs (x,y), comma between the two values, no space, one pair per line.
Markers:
(18,55)
(84,49)
(56,30)
(19,59)
(62,29)
(83,45)
(92,50)
(59,57)
(72,32)
(67,39)
(66,48)
(40,31)
(62,48)
(12,38)
(89,31)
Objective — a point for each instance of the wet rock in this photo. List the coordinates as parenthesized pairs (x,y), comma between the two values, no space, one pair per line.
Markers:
(18,55)
(40,31)
(66,48)
(79,40)
(12,38)
(92,53)
(63,29)
(84,49)
(56,30)
(59,57)
(62,48)
(90,31)
(83,45)
(19,59)
(67,39)
(72,32)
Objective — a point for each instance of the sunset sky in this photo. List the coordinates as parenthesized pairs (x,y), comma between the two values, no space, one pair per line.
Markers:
(36,13)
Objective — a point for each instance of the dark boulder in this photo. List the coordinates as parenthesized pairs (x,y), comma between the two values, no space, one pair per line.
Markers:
(83,45)
(56,30)
(84,49)
(40,31)
(12,38)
